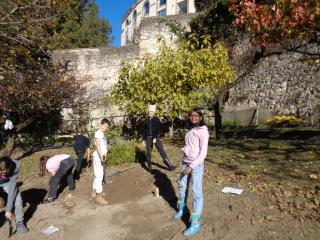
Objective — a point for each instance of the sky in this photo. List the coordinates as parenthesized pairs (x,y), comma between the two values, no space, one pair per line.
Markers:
(113,11)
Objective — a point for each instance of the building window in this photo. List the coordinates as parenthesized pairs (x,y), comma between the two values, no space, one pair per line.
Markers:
(127,22)
(134,17)
(162,2)
(182,7)
(162,12)
(146,8)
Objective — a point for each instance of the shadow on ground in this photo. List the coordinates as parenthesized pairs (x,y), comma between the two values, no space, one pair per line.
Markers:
(33,197)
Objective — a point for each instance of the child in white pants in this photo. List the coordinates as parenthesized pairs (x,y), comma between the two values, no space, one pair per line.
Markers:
(99,161)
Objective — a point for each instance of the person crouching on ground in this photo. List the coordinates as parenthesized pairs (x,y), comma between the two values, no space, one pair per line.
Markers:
(194,154)
(59,166)
(99,161)
(9,170)
(152,134)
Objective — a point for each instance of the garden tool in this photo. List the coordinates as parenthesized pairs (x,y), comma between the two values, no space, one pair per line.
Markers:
(120,172)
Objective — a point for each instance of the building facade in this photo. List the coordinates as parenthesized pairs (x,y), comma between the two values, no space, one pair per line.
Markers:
(150,8)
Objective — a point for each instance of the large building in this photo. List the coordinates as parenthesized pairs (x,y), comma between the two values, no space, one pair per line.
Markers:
(150,8)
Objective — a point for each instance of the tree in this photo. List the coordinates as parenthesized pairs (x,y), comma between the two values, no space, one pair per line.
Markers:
(79,26)
(174,80)
(278,20)
(32,87)
(214,20)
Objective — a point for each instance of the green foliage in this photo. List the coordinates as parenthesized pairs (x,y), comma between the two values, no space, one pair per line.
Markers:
(236,123)
(215,21)
(79,26)
(114,134)
(285,121)
(122,153)
(175,79)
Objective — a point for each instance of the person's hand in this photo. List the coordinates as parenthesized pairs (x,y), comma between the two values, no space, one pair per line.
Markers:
(187,170)
(9,215)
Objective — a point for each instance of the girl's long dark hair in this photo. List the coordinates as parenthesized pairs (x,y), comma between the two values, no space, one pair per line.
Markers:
(6,164)
(198,111)
(42,165)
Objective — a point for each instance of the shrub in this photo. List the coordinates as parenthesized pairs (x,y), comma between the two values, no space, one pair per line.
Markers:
(114,134)
(231,124)
(285,121)
(123,153)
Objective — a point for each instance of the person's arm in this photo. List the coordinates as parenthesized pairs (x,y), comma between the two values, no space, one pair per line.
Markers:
(203,143)
(98,141)
(157,126)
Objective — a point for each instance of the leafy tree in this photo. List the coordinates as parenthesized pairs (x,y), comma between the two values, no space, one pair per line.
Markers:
(174,80)
(32,87)
(79,26)
(278,20)
(214,20)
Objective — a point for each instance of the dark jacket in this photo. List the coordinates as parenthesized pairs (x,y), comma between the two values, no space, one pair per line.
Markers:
(152,126)
(11,181)
(81,143)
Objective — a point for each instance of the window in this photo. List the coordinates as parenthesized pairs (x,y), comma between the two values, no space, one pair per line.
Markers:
(146,8)
(162,12)
(127,22)
(134,17)
(162,2)
(182,7)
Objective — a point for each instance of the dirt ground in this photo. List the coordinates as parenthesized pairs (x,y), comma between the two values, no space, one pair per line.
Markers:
(135,212)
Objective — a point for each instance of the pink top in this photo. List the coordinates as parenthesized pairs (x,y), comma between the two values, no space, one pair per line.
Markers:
(53,163)
(196,146)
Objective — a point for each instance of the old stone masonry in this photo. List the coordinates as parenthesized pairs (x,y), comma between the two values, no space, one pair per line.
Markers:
(281,82)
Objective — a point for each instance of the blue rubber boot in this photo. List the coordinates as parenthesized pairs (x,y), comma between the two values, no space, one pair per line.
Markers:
(181,209)
(194,228)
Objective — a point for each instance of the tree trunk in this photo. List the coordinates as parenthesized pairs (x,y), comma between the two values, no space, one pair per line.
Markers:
(7,151)
(217,115)
(171,130)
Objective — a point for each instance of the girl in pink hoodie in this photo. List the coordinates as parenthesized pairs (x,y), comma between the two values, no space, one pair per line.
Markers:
(194,154)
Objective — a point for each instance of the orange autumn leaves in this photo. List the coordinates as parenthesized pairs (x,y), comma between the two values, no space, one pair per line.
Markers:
(273,21)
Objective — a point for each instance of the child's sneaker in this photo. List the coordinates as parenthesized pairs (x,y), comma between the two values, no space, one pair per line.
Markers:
(48,200)
(21,228)
(101,200)
(94,195)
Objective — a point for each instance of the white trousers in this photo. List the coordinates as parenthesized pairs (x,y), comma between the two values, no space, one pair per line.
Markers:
(97,174)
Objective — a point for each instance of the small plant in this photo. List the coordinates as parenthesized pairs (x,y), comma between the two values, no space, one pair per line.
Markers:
(285,121)
(122,153)
(231,124)
(114,134)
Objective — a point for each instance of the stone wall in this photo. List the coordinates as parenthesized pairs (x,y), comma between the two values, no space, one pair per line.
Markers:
(100,66)
(284,83)
(154,28)
(280,82)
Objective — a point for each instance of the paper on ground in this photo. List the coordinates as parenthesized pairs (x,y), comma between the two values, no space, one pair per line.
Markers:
(50,230)
(232,190)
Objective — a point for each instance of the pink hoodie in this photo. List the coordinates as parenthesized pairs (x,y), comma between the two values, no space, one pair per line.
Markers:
(53,163)
(196,146)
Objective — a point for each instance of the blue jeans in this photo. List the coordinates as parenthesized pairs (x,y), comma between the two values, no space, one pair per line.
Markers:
(17,205)
(196,177)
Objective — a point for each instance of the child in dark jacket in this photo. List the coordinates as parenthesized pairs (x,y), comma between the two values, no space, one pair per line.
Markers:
(152,135)
(9,170)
